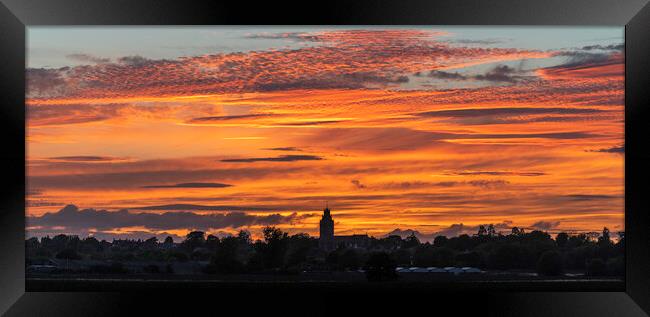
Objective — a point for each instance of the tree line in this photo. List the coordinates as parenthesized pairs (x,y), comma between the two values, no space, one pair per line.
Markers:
(280,252)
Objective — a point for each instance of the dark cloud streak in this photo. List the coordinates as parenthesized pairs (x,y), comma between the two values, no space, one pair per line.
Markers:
(478,112)
(72,218)
(287,149)
(85,158)
(227,118)
(88,58)
(545,225)
(203,208)
(190,185)
(615,149)
(499,173)
(281,158)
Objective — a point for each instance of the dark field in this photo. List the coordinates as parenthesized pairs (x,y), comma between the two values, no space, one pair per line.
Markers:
(335,280)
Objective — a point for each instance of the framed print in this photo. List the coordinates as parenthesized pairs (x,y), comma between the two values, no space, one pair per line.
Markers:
(397,152)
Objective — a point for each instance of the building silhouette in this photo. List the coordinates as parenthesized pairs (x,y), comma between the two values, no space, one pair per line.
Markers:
(328,241)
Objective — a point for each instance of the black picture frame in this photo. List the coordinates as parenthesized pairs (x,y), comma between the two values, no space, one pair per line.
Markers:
(633,299)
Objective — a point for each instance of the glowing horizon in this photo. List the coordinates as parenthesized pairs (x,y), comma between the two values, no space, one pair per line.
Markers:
(431,129)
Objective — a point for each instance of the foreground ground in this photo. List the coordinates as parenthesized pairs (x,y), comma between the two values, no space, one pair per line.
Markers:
(80,282)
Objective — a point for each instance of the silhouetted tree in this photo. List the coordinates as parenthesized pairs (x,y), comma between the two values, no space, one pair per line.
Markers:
(481,231)
(562,239)
(151,243)
(32,244)
(461,243)
(491,232)
(244,236)
(276,247)
(299,247)
(577,240)
(193,240)
(411,241)
(226,258)
(604,238)
(90,245)
(168,241)
(59,242)
(212,242)
(605,245)
(440,241)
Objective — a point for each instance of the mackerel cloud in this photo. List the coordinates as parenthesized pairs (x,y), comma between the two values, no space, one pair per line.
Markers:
(338,59)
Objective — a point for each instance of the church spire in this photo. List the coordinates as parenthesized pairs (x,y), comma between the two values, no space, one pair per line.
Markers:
(326,239)
(326,211)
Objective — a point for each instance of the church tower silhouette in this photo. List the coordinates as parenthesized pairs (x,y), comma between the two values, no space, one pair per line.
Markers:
(326,239)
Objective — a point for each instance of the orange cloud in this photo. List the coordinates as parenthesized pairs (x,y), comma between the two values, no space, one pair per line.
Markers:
(343,120)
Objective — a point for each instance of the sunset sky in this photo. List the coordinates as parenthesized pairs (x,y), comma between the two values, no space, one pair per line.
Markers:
(160,131)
